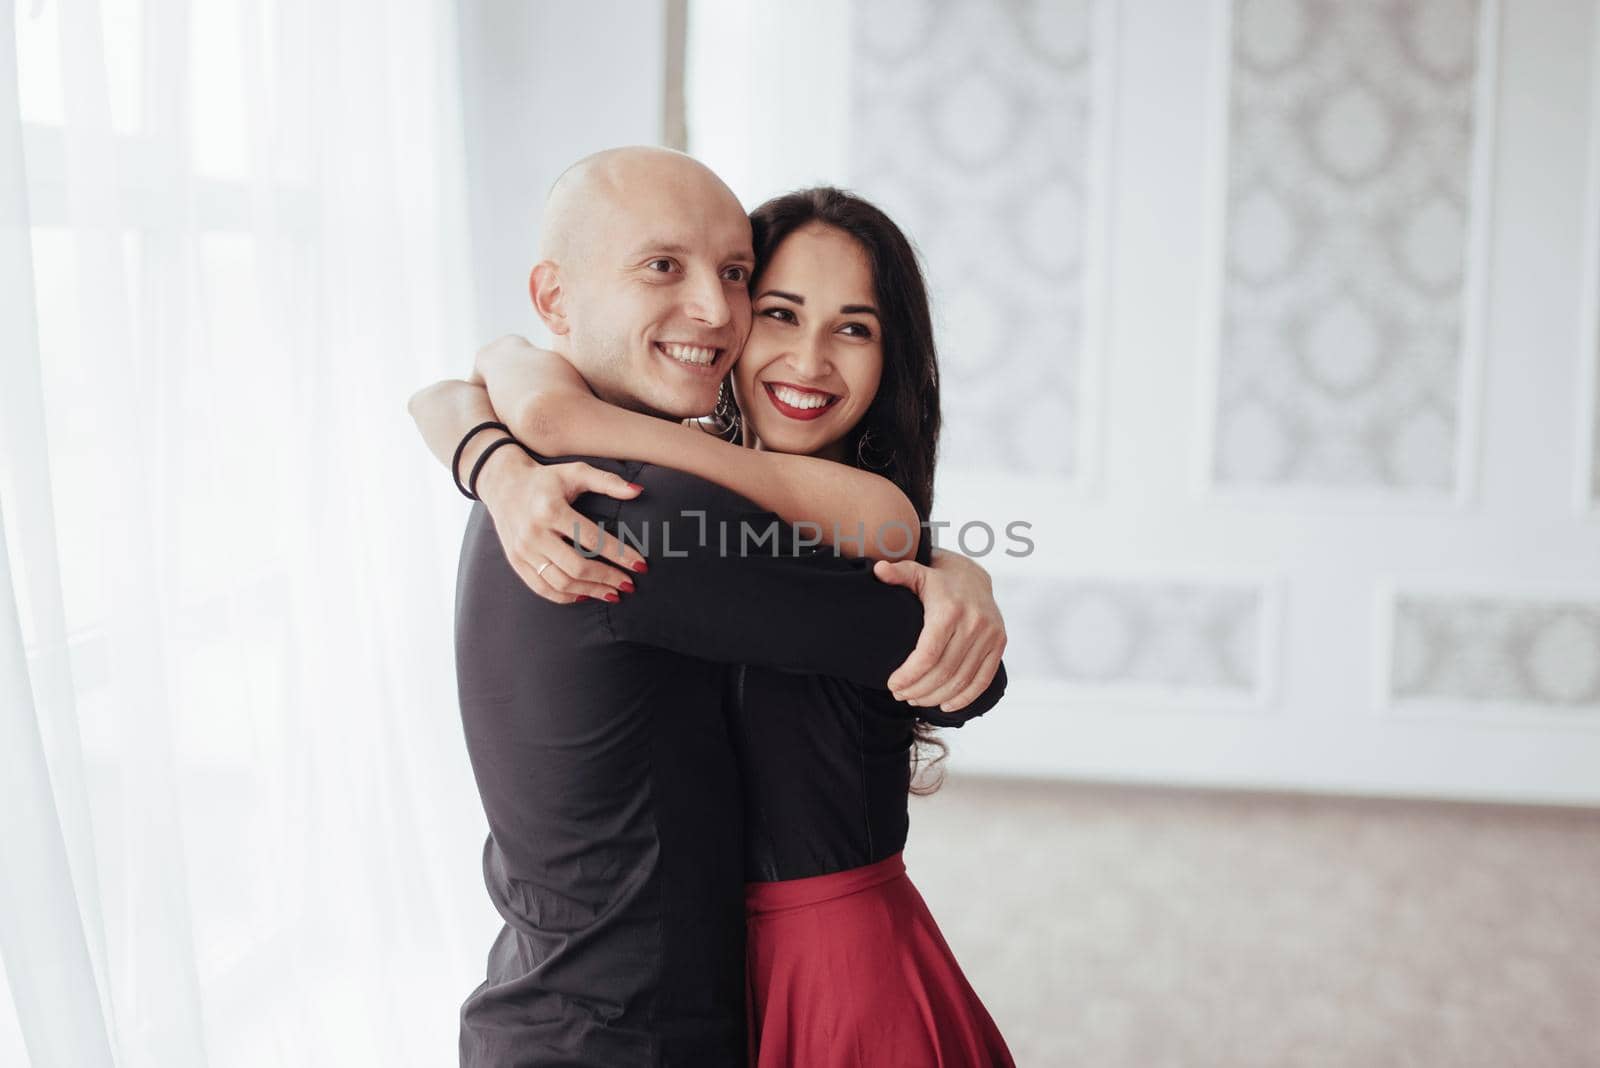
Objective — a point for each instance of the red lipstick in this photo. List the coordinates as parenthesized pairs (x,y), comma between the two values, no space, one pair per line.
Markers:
(803,414)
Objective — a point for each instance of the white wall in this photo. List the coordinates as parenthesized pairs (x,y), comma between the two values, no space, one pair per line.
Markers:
(1192,613)
(545,84)
(767,106)
(1423,619)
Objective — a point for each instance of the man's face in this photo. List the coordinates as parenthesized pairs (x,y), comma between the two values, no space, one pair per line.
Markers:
(659,307)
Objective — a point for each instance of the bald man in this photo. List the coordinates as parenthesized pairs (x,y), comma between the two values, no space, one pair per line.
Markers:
(645,263)
(596,730)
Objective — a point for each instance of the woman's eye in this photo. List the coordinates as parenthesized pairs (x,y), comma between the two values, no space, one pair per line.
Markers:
(663,265)
(736,274)
(783,315)
(860,330)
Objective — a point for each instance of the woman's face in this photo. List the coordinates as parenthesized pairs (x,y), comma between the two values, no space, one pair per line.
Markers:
(811,367)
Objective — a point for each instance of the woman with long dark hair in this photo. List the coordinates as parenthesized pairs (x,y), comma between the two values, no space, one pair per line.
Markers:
(846,965)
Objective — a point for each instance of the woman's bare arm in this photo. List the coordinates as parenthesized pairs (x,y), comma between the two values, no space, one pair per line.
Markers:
(548,406)
(445,411)
(963,635)
(531,503)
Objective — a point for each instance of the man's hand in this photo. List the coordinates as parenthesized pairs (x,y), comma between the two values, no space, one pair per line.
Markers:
(962,637)
(532,508)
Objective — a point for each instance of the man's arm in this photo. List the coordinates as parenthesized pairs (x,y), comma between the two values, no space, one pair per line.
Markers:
(725,585)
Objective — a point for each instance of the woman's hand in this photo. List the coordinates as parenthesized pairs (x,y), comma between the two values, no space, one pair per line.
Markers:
(962,637)
(532,508)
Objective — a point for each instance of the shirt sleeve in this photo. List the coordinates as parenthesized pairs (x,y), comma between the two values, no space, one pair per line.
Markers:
(730,582)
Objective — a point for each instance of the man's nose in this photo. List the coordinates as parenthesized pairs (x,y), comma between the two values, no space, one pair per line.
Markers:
(707,301)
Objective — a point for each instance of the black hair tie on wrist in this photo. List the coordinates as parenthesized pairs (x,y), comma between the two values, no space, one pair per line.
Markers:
(483,458)
(455,461)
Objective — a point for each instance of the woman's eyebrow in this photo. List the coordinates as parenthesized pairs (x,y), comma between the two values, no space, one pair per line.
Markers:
(794,297)
(859,309)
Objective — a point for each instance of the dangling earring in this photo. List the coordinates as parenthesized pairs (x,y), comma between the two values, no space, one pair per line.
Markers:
(870,454)
(725,417)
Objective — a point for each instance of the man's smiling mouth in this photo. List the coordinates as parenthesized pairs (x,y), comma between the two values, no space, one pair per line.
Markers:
(689,355)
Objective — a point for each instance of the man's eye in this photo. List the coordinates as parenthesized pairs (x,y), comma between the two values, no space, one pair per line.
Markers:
(663,265)
(736,274)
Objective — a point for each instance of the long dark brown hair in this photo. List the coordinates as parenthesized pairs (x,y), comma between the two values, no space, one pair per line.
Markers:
(898,437)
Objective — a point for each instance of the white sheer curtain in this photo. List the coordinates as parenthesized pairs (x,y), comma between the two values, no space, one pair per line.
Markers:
(238,825)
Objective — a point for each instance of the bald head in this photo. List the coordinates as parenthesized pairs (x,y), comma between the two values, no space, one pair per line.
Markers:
(645,261)
(598,186)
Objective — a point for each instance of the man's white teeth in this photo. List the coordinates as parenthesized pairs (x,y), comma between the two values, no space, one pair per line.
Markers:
(695,354)
(795,399)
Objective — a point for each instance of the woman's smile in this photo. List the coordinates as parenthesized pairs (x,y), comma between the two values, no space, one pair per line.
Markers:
(798,402)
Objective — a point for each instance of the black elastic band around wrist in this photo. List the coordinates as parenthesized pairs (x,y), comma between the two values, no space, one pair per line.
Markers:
(483,458)
(455,461)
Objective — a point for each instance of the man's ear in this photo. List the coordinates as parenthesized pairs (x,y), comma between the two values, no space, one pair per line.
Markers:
(549,298)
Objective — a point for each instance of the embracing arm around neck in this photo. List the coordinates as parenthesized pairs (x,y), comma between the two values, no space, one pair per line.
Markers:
(550,408)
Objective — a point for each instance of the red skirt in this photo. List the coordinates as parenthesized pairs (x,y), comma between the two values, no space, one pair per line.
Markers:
(850,971)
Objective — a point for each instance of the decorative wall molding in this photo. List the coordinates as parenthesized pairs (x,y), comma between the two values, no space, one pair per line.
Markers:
(1171,642)
(1353,200)
(1521,657)
(982,129)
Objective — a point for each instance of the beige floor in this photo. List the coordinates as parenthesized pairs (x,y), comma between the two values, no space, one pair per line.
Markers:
(1119,926)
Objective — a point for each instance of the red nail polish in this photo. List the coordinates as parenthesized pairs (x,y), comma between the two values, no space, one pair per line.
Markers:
(613,598)
(582,597)
(626,587)
(641,567)
(635,487)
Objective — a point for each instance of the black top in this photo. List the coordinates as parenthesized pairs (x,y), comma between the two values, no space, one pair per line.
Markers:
(826,767)
(605,765)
